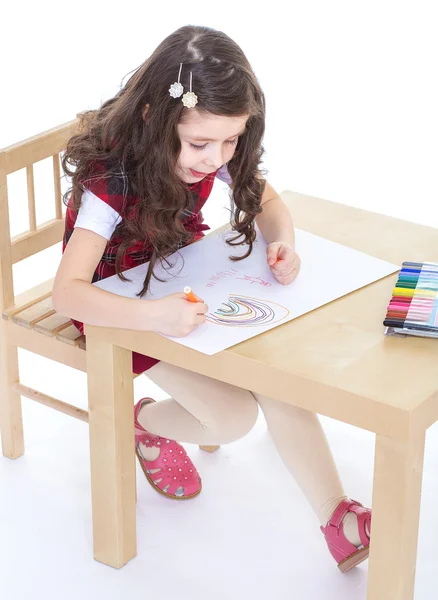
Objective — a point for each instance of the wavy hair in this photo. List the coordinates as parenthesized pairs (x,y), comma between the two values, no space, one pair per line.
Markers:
(147,146)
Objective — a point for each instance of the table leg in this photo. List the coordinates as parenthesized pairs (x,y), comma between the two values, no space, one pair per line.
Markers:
(112,449)
(209,448)
(398,475)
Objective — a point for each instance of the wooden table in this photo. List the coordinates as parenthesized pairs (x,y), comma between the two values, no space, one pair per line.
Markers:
(326,361)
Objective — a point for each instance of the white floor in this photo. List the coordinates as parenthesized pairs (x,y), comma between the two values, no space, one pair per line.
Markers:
(351,118)
(249,534)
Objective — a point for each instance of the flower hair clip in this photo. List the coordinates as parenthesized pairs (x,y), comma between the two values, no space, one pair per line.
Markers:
(176,90)
(190,99)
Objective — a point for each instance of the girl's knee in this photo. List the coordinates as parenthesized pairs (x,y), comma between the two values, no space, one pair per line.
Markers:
(248,413)
(240,418)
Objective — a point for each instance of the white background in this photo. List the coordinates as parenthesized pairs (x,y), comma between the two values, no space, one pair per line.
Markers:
(351,117)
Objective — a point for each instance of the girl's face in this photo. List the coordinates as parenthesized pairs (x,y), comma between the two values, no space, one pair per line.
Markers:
(207,142)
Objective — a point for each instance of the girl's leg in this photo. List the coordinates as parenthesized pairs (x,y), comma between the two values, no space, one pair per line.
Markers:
(201,411)
(303,446)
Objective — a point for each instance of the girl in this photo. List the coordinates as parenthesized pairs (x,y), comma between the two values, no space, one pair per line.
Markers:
(142,167)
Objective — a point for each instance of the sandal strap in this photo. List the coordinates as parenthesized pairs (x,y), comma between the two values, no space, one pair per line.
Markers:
(148,439)
(341,511)
(363,516)
(141,435)
(364,524)
(340,547)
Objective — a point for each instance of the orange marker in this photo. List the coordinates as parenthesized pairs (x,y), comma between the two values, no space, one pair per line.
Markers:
(190,295)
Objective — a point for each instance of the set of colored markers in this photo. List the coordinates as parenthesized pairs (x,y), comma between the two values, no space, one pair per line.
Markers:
(413,308)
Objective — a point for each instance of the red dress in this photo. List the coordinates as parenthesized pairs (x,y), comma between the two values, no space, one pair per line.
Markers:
(112,190)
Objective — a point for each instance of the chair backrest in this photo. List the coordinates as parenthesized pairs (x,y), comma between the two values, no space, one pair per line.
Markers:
(19,156)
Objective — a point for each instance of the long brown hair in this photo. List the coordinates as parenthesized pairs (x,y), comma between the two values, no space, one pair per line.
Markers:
(147,147)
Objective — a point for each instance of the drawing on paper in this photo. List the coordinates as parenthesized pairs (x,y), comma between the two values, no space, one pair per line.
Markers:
(244,311)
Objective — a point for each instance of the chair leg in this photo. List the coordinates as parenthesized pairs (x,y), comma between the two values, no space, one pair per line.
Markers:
(11,420)
(209,448)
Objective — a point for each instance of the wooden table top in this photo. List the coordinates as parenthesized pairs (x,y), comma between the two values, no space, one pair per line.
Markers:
(328,360)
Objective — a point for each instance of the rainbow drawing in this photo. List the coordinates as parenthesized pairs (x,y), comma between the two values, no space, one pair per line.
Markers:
(244,311)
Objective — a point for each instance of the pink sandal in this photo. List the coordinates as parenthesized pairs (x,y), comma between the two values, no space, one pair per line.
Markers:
(172,474)
(344,552)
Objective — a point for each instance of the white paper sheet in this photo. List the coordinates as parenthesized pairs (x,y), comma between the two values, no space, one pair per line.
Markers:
(244,299)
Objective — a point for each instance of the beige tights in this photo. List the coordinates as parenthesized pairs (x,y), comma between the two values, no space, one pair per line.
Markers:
(205,411)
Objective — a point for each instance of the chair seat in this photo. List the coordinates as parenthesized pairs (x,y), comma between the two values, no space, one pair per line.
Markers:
(34,310)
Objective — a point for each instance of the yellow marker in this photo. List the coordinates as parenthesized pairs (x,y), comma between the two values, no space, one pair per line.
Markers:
(409,292)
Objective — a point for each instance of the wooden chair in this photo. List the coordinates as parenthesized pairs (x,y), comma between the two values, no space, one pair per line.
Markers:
(28,319)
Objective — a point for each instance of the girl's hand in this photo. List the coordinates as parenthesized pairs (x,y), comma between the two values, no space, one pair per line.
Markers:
(283,261)
(176,316)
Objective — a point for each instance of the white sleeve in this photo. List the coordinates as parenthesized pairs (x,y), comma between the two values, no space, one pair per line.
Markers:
(96,215)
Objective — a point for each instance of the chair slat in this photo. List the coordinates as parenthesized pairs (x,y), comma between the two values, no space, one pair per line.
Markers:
(52,325)
(29,298)
(33,314)
(64,407)
(38,147)
(70,335)
(57,181)
(30,242)
(31,197)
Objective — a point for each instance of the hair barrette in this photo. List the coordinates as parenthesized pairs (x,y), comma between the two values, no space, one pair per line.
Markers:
(176,89)
(190,99)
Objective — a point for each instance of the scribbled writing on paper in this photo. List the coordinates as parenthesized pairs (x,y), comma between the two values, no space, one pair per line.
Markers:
(234,273)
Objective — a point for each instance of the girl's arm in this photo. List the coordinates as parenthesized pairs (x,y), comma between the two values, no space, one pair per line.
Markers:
(276,226)
(275,221)
(75,297)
